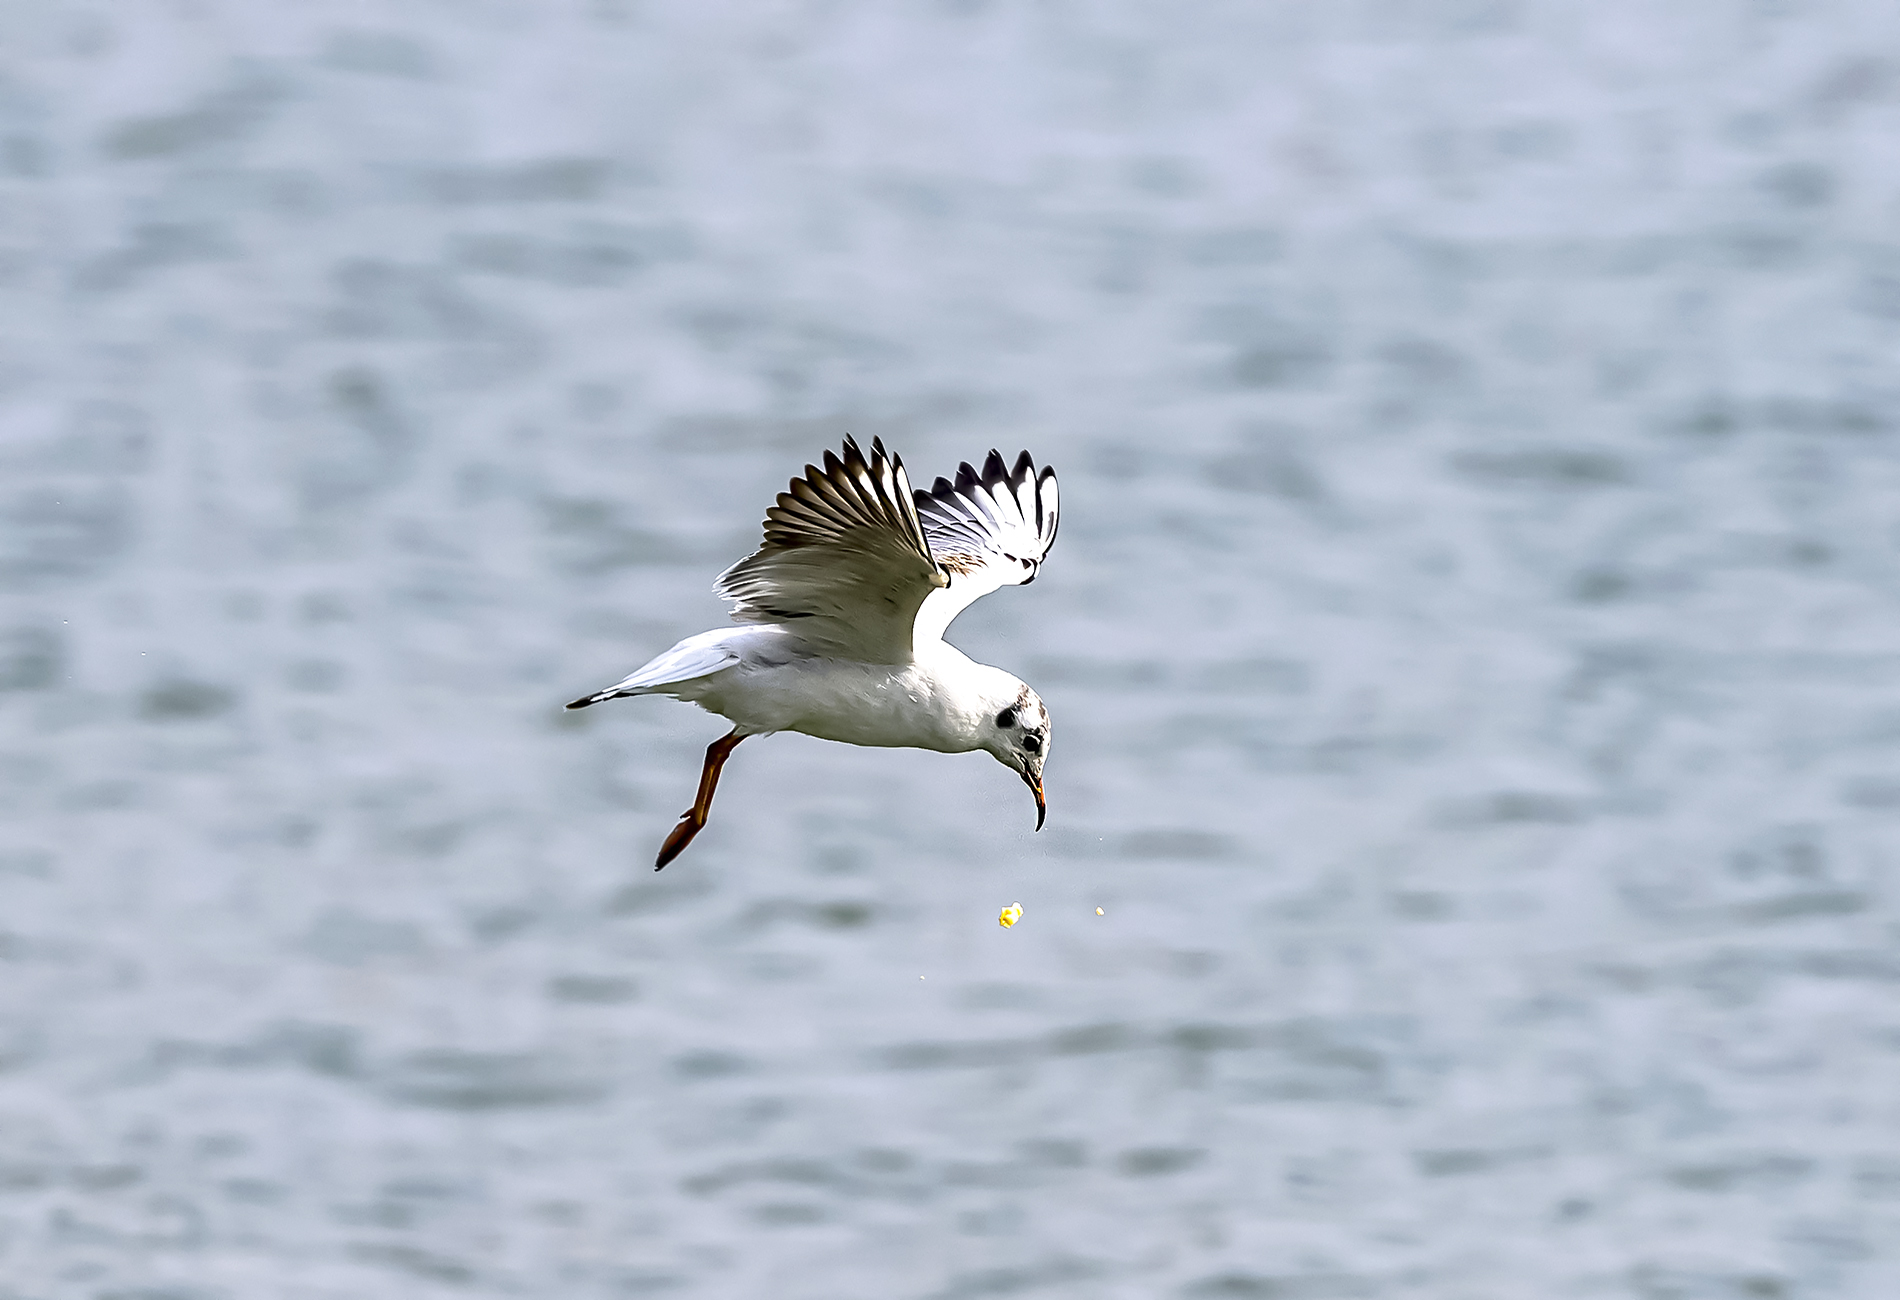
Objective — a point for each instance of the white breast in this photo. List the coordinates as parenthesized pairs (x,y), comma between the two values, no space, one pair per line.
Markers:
(926,705)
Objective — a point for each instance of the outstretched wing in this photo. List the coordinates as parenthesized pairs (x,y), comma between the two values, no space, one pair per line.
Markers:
(845,562)
(986,530)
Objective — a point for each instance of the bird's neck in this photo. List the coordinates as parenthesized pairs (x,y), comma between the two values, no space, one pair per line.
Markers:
(967,692)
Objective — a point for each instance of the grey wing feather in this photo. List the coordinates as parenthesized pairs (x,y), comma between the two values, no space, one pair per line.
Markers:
(845,563)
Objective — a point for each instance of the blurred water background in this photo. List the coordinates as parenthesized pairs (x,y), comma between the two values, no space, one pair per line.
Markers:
(1474,649)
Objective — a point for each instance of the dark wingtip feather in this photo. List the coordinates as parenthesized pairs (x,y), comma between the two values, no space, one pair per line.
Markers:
(583,702)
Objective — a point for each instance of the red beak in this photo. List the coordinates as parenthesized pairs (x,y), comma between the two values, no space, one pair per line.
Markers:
(1035,788)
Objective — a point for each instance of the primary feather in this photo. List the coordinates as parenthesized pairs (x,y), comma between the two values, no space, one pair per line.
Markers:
(845,559)
(987,530)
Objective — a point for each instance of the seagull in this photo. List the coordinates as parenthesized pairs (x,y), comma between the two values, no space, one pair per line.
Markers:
(842,612)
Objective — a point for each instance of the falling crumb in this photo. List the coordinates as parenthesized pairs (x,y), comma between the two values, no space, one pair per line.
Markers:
(1011,914)
(1098,911)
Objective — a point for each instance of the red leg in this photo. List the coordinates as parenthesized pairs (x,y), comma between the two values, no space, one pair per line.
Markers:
(694,818)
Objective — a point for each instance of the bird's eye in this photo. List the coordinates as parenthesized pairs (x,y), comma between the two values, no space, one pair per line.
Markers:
(1007,718)
(1033,744)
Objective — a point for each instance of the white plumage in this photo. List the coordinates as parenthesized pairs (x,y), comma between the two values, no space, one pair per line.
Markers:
(841,617)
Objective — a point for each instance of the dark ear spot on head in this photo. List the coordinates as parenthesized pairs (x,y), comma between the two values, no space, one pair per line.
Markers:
(1007,718)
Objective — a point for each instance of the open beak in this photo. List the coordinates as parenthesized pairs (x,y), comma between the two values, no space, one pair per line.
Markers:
(1035,787)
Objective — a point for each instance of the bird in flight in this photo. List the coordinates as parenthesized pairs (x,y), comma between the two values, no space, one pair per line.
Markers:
(841,617)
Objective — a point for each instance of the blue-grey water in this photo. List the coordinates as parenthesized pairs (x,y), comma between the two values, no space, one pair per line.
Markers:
(1473,643)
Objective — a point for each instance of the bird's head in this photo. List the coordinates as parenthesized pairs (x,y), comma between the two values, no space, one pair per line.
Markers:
(1016,731)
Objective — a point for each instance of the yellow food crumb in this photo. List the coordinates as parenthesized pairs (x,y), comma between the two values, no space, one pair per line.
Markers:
(1098,911)
(1011,914)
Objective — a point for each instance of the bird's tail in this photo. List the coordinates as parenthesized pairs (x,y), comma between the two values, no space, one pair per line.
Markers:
(696,656)
(611,693)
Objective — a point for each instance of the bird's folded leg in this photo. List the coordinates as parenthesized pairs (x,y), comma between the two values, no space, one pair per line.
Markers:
(694,818)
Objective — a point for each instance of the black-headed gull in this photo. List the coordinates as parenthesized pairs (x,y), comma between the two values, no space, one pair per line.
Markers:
(842,615)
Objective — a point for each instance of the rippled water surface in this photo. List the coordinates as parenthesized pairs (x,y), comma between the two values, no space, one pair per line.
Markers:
(1474,649)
